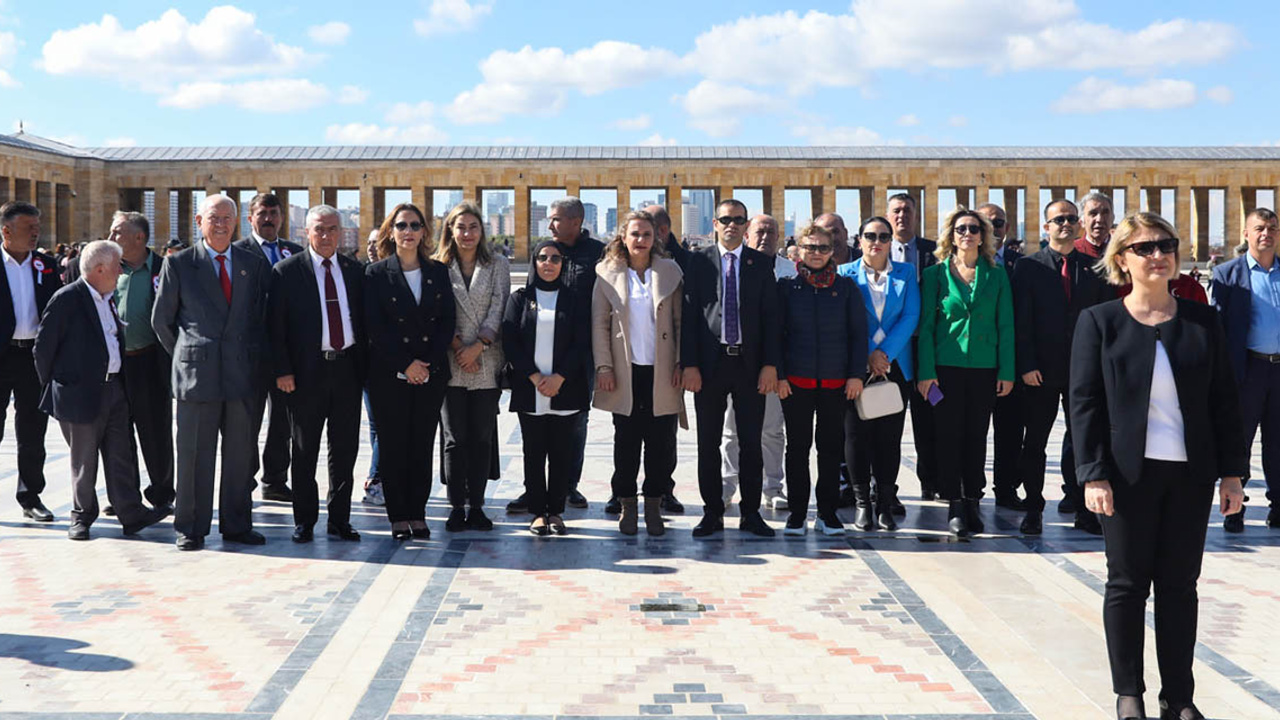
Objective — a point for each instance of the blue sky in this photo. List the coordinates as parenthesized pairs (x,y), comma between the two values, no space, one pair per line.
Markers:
(916,72)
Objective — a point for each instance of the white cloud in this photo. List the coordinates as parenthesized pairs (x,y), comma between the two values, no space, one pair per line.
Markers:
(8,51)
(1093,95)
(370,134)
(120,142)
(1220,94)
(330,33)
(715,107)
(657,140)
(823,135)
(352,95)
(490,103)
(799,52)
(226,43)
(272,96)
(639,122)
(1088,46)
(448,16)
(405,113)
(908,121)
(957,121)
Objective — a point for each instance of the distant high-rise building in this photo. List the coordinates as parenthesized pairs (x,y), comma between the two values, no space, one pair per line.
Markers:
(610,221)
(455,199)
(704,200)
(538,219)
(690,223)
(591,218)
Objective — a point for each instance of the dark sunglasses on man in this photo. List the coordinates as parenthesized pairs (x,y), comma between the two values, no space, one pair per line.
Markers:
(732,219)
(1065,220)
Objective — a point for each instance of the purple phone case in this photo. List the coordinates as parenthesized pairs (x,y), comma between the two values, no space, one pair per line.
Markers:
(935,395)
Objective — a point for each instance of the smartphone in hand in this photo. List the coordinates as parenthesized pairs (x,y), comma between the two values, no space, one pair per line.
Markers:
(935,394)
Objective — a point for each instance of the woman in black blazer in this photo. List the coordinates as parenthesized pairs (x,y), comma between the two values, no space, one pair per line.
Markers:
(409,313)
(1156,421)
(546,337)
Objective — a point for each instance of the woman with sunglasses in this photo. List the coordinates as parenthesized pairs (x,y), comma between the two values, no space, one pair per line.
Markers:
(1155,416)
(823,360)
(635,340)
(480,282)
(546,338)
(409,313)
(891,298)
(966,358)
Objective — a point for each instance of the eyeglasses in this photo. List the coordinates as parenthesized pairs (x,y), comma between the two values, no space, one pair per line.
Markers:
(553,259)
(413,225)
(1065,220)
(968,229)
(997,223)
(220,219)
(1147,248)
(877,237)
(732,219)
(819,249)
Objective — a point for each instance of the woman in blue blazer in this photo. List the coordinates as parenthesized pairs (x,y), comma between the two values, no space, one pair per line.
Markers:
(891,296)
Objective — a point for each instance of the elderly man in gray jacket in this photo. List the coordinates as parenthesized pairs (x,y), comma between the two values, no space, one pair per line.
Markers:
(210,315)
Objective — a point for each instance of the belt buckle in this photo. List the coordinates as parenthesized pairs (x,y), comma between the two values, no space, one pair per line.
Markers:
(733,350)
(1274,359)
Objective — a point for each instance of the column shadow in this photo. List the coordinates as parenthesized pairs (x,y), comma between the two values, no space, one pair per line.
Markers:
(61,653)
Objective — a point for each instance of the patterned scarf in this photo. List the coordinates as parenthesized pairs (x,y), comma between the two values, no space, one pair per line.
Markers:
(820,279)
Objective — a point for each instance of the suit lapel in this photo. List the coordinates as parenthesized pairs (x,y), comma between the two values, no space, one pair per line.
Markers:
(86,299)
(207,276)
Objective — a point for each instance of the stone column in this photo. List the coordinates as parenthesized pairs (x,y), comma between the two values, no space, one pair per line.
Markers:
(1233,214)
(283,194)
(315,196)
(185,216)
(329,196)
(1034,219)
(379,208)
(675,208)
(1195,231)
(1132,201)
(1081,191)
(1155,200)
(573,188)
(48,212)
(471,192)
(1183,199)
(522,222)
(62,198)
(828,199)
(1057,193)
(367,209)
(1009,202)
(6,189)
(981,195)
(724,192)
(880,200)
(623,204)
(928,195)
(866,203)
(775,202)
(160,229)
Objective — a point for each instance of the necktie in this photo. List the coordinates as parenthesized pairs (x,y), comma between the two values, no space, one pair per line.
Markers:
(224,278)
(731,303)
(332,307)
(1066,278)
(273,253)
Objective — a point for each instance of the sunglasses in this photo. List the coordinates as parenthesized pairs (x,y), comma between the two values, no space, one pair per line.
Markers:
(997,223)
(413,225)
(1065,220)
(877,237)
(968,229)
(819,249)
(1166,246)
(553,259)
(732,219)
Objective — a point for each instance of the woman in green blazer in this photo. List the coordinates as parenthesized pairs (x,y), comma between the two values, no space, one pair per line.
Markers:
(966,358)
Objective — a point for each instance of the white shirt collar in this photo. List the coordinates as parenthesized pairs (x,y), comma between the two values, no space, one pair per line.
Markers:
(10,259)
(261,239)
(317,260)
(97,296)
(737,252)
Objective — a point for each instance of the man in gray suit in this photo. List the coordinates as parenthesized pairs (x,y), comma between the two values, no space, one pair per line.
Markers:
(210,314)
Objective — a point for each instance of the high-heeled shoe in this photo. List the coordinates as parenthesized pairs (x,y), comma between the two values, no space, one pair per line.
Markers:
(419,530)
(1180,711)
(1130,707)
(400,531)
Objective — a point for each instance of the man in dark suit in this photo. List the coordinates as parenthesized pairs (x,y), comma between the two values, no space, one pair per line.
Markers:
(1050,289)
(730,342)
(1006,420)
(79,352)
(317,334)
(909,247)
(209,314)
(1246,291)
(266,217)
(29,280)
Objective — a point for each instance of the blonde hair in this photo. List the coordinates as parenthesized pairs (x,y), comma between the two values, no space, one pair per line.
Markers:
(1109,265)
(386,244)
(946,241)
(616,251)
(812,229)
(448,248)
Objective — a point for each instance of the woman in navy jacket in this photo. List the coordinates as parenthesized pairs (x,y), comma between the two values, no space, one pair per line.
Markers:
(823,361)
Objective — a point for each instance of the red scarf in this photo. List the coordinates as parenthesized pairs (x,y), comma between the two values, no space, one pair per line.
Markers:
(820,279)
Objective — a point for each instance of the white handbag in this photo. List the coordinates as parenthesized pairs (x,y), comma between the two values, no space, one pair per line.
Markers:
(879,398)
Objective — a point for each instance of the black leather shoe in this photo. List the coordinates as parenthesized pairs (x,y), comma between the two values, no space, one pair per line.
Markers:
(1088,522)
(973,516)
(614,506)
(1235,523)
(401,534)
(108,511)
(457,521)
(1130,707)
(166,508)
(1033,523)
(519,506)
(343,532)
(190,542)
(248,537)
(38,512)
(1181,711)
(1273,518)
(576,499)
(886,521)
(709,525)
(956,524)
(477,520)
(1067,505)
(422,533)
(78,531)
(149,518)
(672,505)
(896,507)
(1011,502)
(303,534)
(754,524)
(862,518)
(278,493)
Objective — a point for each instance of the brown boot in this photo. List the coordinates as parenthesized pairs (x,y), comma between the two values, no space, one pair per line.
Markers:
(629,523)
(653,515)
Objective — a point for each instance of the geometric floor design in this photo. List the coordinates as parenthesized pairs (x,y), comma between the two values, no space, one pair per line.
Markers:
(904,625)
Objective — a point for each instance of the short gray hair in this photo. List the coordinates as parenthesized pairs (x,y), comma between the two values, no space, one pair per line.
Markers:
(135,220)
(97,253)
(320,211)
(571,205)
(1096,196)
(209,201)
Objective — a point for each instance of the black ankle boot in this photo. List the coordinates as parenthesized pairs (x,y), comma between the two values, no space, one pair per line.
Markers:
(862,500)
(956,523)
(971,516)
(1130,707)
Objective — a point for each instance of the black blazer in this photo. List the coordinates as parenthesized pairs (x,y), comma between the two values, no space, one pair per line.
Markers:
(71,355)
(1111,364)
(295,323)
(286,248)
(1044,321)
(46,281)
(677,251)
(758,310)
(570,355)
(400,330)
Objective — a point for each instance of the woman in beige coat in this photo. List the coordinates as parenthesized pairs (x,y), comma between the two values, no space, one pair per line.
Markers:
(635,339)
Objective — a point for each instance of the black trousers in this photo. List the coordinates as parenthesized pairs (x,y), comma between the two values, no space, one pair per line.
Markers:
(275,451)
(874,447)
(642,432)
(580,438)
(18,377)
(732,378)
(1156,537)
(146,377)
(332,402)
(1260,405)
(963,415)
(1007,425)
(1040,410)
(922,431)
(548,460)
(407,417)
(800,412)
(468,434)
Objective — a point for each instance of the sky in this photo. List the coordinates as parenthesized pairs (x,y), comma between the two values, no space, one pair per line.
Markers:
(468,72)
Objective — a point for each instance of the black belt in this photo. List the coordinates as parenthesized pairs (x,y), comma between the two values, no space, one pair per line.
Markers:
(731,350)
(26,343)
(332,355)
(140,351)
(1273,359)
(112,377)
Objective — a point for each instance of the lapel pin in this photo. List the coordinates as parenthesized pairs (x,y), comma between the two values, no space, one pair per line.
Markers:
(243,273)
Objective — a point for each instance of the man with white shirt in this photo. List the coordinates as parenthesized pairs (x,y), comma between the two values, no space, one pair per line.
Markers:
(266,217)
(29,280)
(78,354)
(316,316)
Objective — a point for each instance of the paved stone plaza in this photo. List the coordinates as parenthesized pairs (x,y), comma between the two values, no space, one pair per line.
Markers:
(903,626)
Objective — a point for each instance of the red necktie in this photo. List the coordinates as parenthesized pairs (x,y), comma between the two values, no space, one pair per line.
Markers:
(224,278)
(332,307)
(1066,278)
